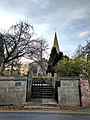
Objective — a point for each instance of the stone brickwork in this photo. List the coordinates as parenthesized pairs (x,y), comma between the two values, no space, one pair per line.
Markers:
(68,92)
(85,92)
(13,91)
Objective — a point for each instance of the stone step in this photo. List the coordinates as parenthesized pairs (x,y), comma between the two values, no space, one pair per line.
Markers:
(42,101)
(38,89)
(43,87)
(42,96)
(41,93)
(44,92)
(41,84)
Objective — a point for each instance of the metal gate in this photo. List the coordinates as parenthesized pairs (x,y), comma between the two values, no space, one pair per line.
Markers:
(37,87)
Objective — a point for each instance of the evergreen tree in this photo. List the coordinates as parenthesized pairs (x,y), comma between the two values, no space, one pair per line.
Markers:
(54,58)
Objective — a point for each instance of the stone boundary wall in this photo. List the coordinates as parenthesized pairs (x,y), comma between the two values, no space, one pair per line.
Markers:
(68,92)
(72,91)
(85,92)
(13,90)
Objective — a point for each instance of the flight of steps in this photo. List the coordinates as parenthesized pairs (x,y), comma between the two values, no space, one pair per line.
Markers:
(42,91)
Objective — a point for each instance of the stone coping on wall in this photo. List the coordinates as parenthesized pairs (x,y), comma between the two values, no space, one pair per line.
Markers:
(68,78)
(13,78)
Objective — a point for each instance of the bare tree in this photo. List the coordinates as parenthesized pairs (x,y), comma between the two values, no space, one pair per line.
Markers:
(40,54)
(79,51)
(17,42)
(1,49)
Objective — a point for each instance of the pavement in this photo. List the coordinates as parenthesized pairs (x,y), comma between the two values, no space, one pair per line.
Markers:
(57,108)
(51,105)
(51,108)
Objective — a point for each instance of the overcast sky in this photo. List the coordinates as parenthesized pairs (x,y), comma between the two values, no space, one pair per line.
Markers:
(69,18)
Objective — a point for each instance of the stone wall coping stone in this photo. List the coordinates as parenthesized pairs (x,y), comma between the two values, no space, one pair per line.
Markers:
(13,78)
(69,78)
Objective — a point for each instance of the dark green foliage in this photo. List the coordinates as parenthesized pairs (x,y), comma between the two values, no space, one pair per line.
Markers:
(53,53)
(66,57)
(54,58)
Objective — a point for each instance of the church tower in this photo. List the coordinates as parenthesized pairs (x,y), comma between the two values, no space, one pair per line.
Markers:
(55,44)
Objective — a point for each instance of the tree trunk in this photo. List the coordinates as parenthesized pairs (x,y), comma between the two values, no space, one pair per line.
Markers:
(2,69)
(11,72)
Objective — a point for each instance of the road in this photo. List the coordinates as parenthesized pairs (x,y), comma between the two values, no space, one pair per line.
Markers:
(42,116)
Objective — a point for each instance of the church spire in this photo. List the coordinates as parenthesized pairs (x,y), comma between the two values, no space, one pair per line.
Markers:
(55,44)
